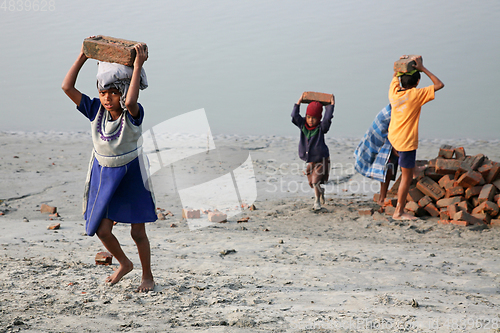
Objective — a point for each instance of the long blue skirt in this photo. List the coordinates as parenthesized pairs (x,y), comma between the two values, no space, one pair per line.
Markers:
(118,194)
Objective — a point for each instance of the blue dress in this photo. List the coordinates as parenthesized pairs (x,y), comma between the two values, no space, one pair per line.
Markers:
(116,193)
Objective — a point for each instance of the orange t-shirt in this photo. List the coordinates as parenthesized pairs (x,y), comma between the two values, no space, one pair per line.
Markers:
(405,114)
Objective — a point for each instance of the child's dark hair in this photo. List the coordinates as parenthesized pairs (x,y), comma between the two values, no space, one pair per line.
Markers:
(410,81)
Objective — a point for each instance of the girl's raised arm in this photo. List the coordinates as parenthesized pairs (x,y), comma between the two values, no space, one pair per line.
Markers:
(69,81)
(133,90)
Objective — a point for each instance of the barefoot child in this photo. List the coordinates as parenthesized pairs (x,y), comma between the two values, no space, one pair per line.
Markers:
(406,102)
(115,190)
(312,146)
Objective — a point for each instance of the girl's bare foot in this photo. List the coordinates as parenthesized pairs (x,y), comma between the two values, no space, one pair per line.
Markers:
(120,272)
(146,285)
(404,216)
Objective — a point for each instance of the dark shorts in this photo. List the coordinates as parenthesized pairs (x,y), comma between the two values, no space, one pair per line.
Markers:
(407,159)
(392,164)
(318,172)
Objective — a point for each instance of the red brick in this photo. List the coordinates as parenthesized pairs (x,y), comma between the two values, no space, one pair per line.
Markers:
(190,214)
(484,169)
(446,151)
(460,153)
(376,196)
(496,182)
(390,202)
(487,193)
(432,174)
(412,206)
(432,210)
(487,207)
(405,65)
(54,226)
(448,201)
(48,209)
(161,216)
(454,191)
(217,217)
(471,163)
(482,182)
(110,49)
(447,221)
(446,179)
(453,209)
(432,163)
(421,163)
(469,179)
(443,215)
(464,216)
(420,167)
(477,161)
(419,173)
(496,197)
(409,212)
(310,96)
(414,194)
(460,223)
(465,206)
(103,258)
(474,201)
(393,192)
(429,187)
(365,211)
(493,174)
(486,218)
(444,166)
(472,191)
(424,201)
(495,222)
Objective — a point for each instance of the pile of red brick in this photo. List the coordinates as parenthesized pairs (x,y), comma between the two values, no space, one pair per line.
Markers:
(455,187)
(215,216)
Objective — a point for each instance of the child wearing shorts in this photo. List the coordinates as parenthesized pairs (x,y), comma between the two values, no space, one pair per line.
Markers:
(312,147)
(406,102)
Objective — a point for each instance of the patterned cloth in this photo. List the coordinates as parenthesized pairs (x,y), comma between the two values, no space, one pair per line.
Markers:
(113,75)
(374,150)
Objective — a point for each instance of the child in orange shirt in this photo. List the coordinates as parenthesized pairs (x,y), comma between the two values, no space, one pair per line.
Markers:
(406,102)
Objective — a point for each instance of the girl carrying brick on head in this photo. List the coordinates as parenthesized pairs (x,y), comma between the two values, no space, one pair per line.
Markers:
(115,190)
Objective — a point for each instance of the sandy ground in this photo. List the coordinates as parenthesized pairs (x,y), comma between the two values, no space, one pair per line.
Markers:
(292,269)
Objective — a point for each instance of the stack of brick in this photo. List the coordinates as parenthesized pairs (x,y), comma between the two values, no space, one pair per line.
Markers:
(455,187)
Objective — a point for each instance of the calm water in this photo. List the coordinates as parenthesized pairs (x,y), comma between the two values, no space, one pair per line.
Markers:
(247,62)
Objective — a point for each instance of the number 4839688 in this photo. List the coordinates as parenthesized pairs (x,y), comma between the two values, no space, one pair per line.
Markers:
(27,5)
